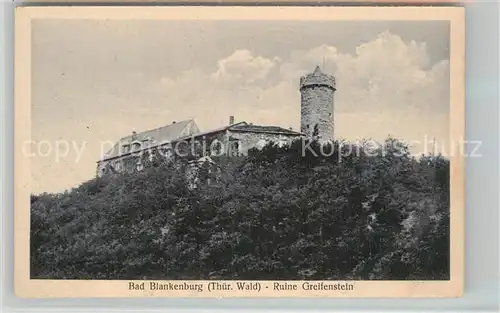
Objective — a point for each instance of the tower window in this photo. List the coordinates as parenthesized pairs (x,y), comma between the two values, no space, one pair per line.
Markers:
(329,114)
(307,126)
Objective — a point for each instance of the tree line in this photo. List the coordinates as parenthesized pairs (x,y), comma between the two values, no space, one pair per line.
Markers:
(277,213)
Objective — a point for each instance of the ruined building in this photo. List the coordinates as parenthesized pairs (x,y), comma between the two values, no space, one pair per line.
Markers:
(185,139)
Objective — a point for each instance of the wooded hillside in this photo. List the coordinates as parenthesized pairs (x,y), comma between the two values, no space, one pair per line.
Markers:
(274,214)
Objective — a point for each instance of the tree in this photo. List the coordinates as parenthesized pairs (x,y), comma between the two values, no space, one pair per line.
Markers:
(278,213)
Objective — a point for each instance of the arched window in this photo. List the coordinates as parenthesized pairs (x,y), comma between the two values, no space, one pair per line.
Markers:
(235,148)
(216,148)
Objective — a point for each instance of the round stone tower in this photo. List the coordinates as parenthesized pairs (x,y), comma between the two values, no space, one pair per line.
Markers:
(317,90)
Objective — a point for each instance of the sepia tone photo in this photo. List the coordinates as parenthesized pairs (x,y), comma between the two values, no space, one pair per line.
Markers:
(239,152)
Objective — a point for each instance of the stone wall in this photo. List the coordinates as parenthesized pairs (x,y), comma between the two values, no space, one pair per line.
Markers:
(249,140)
(317,112)
(191,148)
(128,163)
(317,78)
(218,144)
(206,145)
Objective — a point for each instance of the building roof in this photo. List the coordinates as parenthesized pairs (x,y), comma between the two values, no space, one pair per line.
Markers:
(186,130)
(156,136)
(318,77)
(212,131)
(264,129)
(246,127)
(167,132)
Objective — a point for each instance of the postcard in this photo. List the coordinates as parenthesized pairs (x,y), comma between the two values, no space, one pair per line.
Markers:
(239,151)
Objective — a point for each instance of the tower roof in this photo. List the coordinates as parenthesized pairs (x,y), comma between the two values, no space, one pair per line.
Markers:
(318,78)
(317,70)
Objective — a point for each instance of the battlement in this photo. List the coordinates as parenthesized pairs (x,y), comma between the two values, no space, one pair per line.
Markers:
(318,78)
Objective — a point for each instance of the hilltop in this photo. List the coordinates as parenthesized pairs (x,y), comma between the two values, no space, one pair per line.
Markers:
(275,214)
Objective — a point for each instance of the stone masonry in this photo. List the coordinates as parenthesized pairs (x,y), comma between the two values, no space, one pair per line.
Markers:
(317,91)
(249,140)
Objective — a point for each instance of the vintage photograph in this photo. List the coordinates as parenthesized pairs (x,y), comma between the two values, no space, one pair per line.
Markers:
(194,152)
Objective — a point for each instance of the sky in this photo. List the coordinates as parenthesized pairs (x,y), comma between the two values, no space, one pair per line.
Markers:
(95,81)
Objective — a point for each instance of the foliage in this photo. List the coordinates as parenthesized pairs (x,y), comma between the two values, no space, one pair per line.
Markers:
(278,213)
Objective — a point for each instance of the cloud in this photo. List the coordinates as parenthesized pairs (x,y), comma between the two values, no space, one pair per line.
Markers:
(385,73)
(384,86)
(384,76)
(243,67)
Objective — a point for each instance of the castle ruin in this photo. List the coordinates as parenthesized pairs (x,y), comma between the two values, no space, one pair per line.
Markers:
(317,122)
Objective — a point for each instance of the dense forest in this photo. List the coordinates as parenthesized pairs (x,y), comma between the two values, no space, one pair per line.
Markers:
(276,213)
